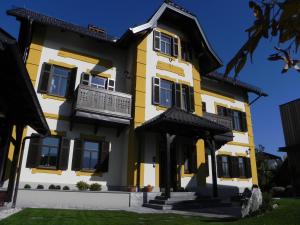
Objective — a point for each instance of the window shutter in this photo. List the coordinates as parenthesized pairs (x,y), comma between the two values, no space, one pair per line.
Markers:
(248,167)
(177,95)
(64,154)
(219,166)
(243,122)
(71,87)
(234,167)
(175,46)
(104,157)
(110,85)
(155,90)
(44,78)
(206,165)
(77,154)
(191,102)
(34,153)
(85,79)
(203,106)
(156,40)
(194,159)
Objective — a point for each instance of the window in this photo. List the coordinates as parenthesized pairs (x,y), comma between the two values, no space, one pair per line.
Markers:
(166,93)
(186,51)
(184,97)
(89,155)
(51,152)
(57,80)
(242,170)
(190,163)
(50,149)
(97,81)
(239,122)
(91,152)
(165,43)
(225,166)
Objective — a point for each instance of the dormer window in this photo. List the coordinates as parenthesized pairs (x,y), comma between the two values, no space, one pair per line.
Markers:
(165,44)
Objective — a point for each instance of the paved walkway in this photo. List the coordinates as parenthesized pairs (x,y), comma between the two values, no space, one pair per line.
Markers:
(6,212)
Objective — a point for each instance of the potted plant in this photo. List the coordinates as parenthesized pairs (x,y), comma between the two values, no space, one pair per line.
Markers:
(148,188)
(131,189)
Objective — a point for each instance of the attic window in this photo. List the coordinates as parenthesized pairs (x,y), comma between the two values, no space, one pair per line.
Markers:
(165,44)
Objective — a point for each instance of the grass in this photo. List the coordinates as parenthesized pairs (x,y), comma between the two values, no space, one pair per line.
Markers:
(288,213)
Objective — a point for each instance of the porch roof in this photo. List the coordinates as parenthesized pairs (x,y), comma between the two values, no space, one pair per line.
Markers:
(179,122)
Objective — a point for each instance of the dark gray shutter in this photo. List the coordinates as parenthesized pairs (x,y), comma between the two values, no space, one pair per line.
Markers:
(155,90)
(203,106)
(248,167)
(34,153)
(104,157)
(177,95)
(194,167)
(44,78)
(206,165)
(175,46)
(71,87)
(219,166)
(191,102)
(77,154)
(110,85)
(234,167)
(243,122)
(156,40)
(64,154)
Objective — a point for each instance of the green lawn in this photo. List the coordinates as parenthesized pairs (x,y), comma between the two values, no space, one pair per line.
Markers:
(288,213)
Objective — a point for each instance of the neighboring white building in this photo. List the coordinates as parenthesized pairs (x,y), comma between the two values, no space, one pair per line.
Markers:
(95,91)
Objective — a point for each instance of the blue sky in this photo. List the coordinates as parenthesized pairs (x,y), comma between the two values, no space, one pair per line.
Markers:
(224,23)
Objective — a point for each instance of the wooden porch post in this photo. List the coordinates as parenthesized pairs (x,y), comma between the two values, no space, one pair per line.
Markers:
(169,140)
(15,161)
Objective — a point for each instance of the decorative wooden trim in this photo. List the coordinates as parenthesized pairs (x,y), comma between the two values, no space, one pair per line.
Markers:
(67,53)
(56,117)
(218,95)
(62,64)
(164,77)
(171,68)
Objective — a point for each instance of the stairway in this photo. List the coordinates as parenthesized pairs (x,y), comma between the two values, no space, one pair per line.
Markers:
(184,200)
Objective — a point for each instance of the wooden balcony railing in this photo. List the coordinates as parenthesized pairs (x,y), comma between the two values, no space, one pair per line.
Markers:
(101,101)
(226,121)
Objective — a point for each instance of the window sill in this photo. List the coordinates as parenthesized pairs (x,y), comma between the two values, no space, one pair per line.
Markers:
(88,173)
(46,96)
(46,170)
(226,179)
(243,179)
(239,132)
(161,108)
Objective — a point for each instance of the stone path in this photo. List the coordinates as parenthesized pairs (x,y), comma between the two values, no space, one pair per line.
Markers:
(6,212)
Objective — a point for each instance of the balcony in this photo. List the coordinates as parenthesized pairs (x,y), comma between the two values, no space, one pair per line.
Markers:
(224,121)
(101,106)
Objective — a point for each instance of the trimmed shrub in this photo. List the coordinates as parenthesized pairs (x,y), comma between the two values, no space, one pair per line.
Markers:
(27,186)
(82,186)
(40,186)
(66,188)
(51,187)
(95,187)
(57,187)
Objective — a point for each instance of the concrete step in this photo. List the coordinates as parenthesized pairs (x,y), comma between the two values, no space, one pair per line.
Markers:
(158,206)
(171,201)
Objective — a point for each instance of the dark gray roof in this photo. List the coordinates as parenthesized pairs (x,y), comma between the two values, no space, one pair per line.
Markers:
(26,14)
(229,80)
(178,121)
(21,102)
